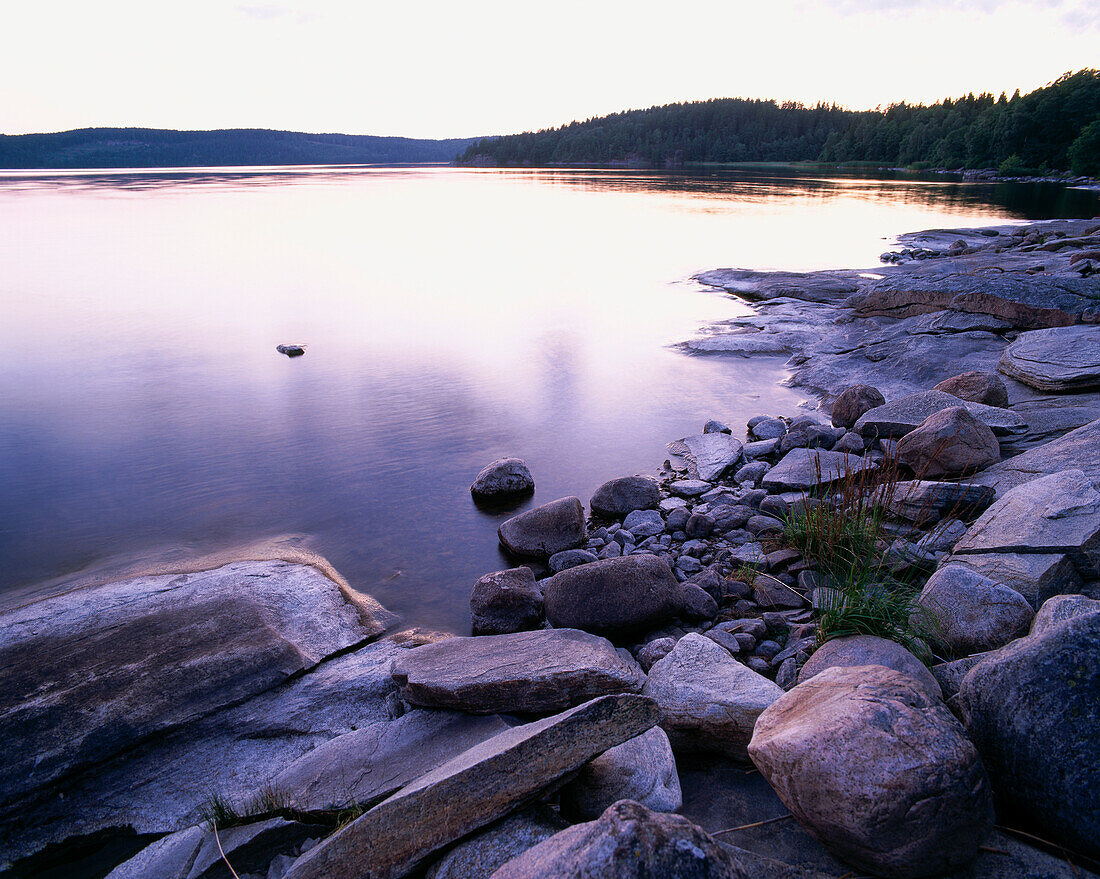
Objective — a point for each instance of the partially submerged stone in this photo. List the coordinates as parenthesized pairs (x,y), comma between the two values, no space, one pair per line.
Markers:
(506,601)
(617,497)
(504,478)
(899,417)
(1056,359)
(545,530)
(526,672)
(806,469)
(475,789)
(707,456)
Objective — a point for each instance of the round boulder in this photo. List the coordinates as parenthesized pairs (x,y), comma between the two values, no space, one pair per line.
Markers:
(878,770)
(868,650)
(504,478)
(506,601)
(951,442)
(973,613)
(614,597)
(617,497)
(854,402)
(976,387)
(545,530)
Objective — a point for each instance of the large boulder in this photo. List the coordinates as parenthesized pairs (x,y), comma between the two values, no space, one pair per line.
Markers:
(1036,576)
(545,530)
(642,769)
(854,402)
(95,671)
(616,597)
(706,456)
(1056,359)
(482,854)
(878,770)
(628,841)
(1059,609)
(925,502)
(475,789)
(806,469)
(868,650)
(948,443)
(617,497)
(504,478)
(709,701)
(1057,514)
(898,417)
(976,386)
(526,672)
(1033,708)
(973,613)
(1077,450)
(506,601)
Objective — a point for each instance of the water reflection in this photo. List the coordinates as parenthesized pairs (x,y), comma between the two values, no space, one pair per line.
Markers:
(452,317)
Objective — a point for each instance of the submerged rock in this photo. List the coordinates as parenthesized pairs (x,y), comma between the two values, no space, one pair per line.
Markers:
(291,350)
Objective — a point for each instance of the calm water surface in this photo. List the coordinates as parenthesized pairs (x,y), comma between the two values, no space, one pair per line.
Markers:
(451,317)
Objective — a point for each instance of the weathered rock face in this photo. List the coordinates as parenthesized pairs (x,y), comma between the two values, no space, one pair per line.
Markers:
(709,701)
(615,597)
(951,442)
(1057,359)
(506,601)
(878,770)
(973,613)
(854,402)
(1056,514)
(474,789)
(1077,450)
(976,386)
(617,497)
(706,456)
(1036,576)
(1061,608)
(868,650)
(925,502)
(642,769)
(829,286)
(804,469)
(527,672)
(504,478)
(481,855)
(1033,708)
(899,417)
(369,763)
(545,530)
(628,841)
(94,671)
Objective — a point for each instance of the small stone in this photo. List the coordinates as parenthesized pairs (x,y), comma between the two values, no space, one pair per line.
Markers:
(698,605)
(854,402)
(690,487)
(656,649)
(973,613)
(644,523)
(976,387)
(507,601)
(569,558)
(716,427)
(774,505)
(699,525)
(767,429)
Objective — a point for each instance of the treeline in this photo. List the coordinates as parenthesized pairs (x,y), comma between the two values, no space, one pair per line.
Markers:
(1055,128)
(158,148)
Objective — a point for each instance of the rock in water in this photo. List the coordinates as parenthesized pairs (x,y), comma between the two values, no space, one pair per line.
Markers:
(291,350)
(504,478)
(642,769)
(506,601)
(628,841)
(528,672)
(948,443)
(617,497)
(972,612)
(1057,359)
(709,701)
(1033,708)
(474,789)
(615,597)
(854,402)
(976,386)
(545,530)
(878,770)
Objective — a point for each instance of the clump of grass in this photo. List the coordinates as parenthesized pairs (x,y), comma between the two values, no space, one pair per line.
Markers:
(219,811)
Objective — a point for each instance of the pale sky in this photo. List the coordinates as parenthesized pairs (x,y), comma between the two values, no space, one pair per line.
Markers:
(457,69)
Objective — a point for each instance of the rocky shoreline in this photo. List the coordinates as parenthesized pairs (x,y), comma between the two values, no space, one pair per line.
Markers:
(923,703)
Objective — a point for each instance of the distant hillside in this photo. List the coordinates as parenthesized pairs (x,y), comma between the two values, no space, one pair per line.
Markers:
(1052,128)
(159,148)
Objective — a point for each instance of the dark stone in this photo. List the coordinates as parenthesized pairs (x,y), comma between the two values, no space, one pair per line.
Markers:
(546,530)
(617,497)
(853,402)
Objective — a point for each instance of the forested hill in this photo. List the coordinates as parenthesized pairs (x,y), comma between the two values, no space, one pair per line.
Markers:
(159,148)
(1052,128)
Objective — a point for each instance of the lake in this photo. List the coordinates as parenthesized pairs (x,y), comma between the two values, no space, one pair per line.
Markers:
(451,317)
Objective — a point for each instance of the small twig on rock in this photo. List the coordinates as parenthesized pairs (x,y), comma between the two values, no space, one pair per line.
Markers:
(754,824)
(221,851)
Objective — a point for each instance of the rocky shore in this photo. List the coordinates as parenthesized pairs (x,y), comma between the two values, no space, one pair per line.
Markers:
(865,641)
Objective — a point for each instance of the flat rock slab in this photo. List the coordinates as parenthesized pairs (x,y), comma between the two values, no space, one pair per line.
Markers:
(1057,514)
(1077,450)
(707,455)
(526,672)
(1058,359)
(898,417)
(474,789)
(96,670)
(367,764)
(805,469)
(925,502)
(828,286)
